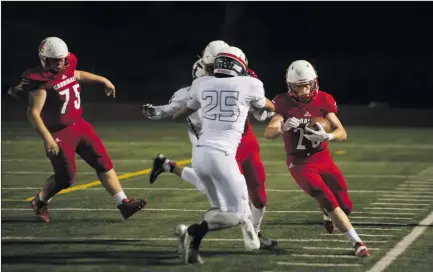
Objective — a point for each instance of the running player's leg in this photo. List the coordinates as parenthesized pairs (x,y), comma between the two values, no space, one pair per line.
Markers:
(92,150)
(308,178)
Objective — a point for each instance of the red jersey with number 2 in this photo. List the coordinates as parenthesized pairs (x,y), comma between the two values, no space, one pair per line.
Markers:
(63,104)
(298,148)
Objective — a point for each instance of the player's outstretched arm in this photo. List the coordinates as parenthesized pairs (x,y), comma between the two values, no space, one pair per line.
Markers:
(36,103)
(14,90)
(183,113)
(273,130)
(269,106)
(339,133)
(163,111)
(86,77)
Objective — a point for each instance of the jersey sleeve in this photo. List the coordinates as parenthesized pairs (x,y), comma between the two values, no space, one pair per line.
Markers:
(278,103)
(330,104)
(29,84)
(177,101)
(258,100)
(194,100)
(73,61)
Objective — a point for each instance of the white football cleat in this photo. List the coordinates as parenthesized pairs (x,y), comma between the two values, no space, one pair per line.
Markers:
(181,233)
(251,240)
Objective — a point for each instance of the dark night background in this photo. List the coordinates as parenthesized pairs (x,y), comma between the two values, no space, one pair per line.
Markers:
(363,51)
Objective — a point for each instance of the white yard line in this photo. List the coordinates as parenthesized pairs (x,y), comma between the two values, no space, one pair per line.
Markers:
(323,256)
(388,208)
(261,142)
(380,217)
(406,196)
(401,246)
(396,251)
(35,238)
(335,248)
(416,185)
(78,160)
(360,234)
(189,189)
(354,176)
(319,264)
(400,204)
(378,229)
(409,199)
(408,189)
(197,210)
(419,182)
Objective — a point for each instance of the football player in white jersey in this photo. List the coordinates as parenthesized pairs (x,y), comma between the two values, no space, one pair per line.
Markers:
(202,67)
(224,101)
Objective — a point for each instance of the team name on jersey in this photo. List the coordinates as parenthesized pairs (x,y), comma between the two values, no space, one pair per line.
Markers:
(305,120)
(64,83)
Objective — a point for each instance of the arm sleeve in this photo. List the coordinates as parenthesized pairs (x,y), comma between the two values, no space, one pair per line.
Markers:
(258,100)
(330,104)
(177,101)
(193,103)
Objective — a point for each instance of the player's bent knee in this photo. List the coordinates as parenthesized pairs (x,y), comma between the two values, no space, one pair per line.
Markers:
(64,181)
(259,200)
(104,165)
(325,201)
(347,207)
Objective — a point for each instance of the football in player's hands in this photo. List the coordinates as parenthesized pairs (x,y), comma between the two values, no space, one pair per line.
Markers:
(322,121)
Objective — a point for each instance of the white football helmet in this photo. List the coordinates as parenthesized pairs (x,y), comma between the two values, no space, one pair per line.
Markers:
(231,61)
(53,53)
(198,69)
(301,73)
(211,51)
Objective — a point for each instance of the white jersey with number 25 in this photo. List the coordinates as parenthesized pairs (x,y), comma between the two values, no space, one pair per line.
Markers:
(224,104)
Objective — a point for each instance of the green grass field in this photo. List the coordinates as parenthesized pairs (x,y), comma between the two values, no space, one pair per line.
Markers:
(389,173)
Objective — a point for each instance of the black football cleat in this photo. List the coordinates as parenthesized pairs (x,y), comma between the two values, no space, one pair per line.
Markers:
(157,168)
(41,209)
(128,208)
(266,243)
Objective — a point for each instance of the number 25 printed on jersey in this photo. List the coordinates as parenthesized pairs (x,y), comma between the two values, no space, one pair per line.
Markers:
(221,105)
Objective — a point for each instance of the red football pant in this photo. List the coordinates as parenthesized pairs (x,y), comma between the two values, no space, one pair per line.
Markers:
(251,166)
(79,137)
(325,182)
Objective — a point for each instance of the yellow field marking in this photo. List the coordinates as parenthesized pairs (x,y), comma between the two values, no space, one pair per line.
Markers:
(121,177)
(340,152)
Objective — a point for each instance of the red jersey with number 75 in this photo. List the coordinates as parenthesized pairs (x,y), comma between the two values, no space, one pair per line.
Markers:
(63,104)
(296,145)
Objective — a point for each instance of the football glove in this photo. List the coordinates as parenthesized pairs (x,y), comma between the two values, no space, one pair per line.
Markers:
(318,136)
(149,110)
(290,123)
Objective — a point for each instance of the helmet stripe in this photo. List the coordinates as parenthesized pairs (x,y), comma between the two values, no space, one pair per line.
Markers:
(234,57)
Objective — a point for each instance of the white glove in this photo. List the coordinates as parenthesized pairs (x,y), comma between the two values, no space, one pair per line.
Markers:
(290,123)
(318,136)
(148,110)
(262,115)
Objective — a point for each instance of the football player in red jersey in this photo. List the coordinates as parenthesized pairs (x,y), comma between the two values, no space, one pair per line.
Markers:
(247,156)
(308,157)
(55,112)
